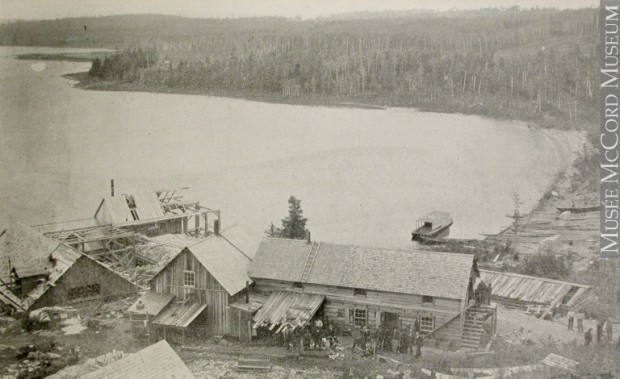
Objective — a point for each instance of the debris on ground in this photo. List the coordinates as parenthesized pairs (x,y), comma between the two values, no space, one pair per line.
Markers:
(39,360)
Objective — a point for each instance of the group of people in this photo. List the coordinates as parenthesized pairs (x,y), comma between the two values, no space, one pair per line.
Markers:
(604,328)
(321,335)
(391,338)
(317,335)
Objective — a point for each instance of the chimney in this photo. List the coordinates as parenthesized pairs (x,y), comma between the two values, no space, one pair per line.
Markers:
(112,187)
(308,236)
(216,227)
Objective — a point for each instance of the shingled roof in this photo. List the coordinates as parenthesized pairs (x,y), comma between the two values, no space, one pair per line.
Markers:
(225,261)
(154,362)
(26,250)
(390,270)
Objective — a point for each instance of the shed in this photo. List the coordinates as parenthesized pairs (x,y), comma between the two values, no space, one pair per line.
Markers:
(144,310)
(157,361)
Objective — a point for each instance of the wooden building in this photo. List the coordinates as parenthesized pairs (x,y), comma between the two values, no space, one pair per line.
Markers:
(154,213)
(363,286)
(213,273)
(37,271)
(144,310)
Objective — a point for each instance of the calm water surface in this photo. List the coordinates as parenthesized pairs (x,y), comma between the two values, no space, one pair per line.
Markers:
(364,176)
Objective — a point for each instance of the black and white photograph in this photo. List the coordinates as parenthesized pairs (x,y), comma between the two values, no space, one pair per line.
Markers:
(309,189)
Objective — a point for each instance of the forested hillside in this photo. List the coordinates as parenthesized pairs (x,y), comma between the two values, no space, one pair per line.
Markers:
(538,65)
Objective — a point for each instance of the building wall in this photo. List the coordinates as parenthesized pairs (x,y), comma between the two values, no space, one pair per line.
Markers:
(341,304)
(206,290)
(83,277)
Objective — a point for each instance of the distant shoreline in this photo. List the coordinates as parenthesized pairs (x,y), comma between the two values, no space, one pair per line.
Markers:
(365,101)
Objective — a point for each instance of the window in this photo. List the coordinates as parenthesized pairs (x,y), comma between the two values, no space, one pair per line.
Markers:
(359,317)
(427,299)
(298,285)
(427,324)
(359,292)
(189,278)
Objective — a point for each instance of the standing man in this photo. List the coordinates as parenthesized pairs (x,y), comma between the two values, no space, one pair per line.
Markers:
(599,331)
(579,317)
(609,331)
(571,317)
(418,345)
(588,337)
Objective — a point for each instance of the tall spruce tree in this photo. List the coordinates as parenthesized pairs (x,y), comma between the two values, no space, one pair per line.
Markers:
(293,226)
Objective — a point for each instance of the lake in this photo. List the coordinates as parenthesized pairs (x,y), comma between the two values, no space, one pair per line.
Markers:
(363,175)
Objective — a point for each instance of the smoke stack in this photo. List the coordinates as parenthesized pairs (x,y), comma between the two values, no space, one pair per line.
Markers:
(112,187)
(216,227)
(308,236)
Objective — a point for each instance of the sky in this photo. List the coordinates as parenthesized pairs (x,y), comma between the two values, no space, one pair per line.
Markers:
(50,9)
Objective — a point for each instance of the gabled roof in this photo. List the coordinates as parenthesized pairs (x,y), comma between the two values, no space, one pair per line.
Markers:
(390,270)
(226,262)
(157,361)
(30,252)
(26,250)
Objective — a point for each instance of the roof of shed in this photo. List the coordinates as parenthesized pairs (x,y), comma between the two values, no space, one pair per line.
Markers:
(179,316)
(157,361)
(531,289)
(292,309)
(153,303)
(390,270)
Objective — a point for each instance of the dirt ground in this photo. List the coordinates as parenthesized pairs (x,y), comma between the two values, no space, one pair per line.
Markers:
(217,358)
(518,327)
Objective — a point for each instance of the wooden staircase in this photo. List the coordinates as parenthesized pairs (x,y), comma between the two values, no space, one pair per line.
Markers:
(314,249)
(472,328)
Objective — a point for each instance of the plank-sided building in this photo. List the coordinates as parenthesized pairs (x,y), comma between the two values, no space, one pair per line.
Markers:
(211,273)
(36,271)
(368,286)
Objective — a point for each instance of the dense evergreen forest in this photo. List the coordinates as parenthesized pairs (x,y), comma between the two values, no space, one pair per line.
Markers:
(536,65)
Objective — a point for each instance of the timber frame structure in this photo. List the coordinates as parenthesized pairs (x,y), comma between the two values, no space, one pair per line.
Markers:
(107,244)
(122,221)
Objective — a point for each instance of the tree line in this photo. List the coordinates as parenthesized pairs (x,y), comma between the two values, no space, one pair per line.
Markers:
(537,65)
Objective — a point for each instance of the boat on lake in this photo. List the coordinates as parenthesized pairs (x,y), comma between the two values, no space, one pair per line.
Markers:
(579,209)
(433,226)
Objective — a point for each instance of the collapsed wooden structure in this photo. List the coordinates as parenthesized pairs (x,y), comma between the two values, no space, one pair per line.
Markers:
(522,291)
(364,286)
(36,271)
(120,222)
